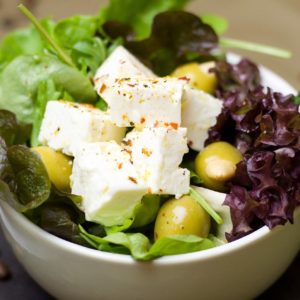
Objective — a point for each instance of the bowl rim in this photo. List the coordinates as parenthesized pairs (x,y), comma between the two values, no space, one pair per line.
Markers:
(115,258)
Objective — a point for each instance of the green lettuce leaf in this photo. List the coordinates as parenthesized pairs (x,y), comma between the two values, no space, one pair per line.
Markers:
(89,54)
(26,41)
(140,247)
(46,91)
(20,80)
(138,14)
(146,212)
(72,30)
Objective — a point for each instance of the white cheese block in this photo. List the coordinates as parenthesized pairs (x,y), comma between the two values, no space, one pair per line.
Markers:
(156,154)
(107,181)
(67,124)
(199,112)
(216,200)
(120,64)
(145,102)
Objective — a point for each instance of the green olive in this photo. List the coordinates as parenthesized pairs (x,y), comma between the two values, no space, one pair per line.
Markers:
(58,165)
(181,216)
(216,164)
(198,75)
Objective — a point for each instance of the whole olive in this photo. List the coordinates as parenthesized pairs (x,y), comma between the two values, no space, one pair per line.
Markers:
(181,216)
(198,75)
(216,164)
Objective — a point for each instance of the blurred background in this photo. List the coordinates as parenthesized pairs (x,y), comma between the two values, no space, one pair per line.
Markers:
(272,22)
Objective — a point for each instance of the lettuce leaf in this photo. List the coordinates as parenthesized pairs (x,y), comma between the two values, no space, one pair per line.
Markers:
(138,14)
(26,41)
(74,29)
(265,126)
(46,91)
(176,38)
(140,247)
(20,80)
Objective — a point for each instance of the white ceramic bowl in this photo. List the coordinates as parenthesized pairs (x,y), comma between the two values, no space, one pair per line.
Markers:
(240,270)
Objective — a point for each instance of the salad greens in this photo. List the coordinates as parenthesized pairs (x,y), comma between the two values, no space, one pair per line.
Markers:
(57,60)
(138,14)
(139,246)
(46,90)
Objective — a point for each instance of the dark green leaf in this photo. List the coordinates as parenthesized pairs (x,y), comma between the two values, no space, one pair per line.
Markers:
(31,178)
(138,14)
(4,163)
(61,220)
(20,80)
(174,36)
(11,131)
(46,91)
(8,126)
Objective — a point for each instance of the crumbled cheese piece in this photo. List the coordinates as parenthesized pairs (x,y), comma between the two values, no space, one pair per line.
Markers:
(107,181)
(120,64)
(199,112)
(145,102)
(156,154)
(67,124)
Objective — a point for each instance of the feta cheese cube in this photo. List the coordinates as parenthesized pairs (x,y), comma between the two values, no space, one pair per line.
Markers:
(199,112)
(156,154)
(145,102)
(107,181)
(120,64)
(67,124)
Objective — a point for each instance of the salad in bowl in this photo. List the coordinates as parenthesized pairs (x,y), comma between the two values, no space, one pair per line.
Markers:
(144,141)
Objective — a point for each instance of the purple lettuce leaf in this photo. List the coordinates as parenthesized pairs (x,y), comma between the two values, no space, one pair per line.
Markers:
(265,127)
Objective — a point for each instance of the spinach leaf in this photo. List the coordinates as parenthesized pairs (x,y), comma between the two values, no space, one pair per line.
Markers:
(72,30)
(138,14)
(146,212)
(26,41)
(19,83)
(179,244)
(46,91)
(32,183)
(140,247)
(89,54)
(21,42)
